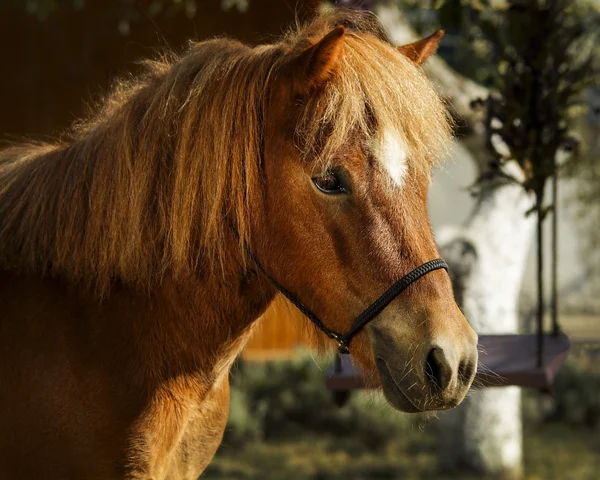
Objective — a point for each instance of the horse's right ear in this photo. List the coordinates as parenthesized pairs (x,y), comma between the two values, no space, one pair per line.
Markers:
(421,50)
(317,64)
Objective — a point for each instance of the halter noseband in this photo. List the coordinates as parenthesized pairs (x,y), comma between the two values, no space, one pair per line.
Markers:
(343,340)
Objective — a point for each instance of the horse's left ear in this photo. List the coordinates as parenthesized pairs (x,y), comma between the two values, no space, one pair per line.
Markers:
(317,64)
(421,50)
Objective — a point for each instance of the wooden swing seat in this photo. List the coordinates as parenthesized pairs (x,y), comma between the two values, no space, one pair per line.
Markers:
(503,360)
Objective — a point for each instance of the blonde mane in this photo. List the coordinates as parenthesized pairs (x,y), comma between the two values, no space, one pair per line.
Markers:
(140,188)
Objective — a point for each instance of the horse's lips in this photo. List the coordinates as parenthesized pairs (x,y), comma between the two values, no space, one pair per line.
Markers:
(393,393)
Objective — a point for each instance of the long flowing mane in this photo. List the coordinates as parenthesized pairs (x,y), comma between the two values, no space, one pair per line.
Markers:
(139,189)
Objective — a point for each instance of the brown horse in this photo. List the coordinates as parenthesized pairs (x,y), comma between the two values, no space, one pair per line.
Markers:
(125,296)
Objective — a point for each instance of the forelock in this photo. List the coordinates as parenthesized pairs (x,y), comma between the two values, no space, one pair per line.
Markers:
(377,95)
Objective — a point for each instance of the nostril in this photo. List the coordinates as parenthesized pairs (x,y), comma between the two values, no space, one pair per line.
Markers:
(432,369)
(437,369)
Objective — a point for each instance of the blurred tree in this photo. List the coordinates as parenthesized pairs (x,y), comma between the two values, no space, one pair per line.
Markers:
(535,56)
(543,57)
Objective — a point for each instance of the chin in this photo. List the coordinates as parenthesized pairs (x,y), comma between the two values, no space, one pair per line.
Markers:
(392,392)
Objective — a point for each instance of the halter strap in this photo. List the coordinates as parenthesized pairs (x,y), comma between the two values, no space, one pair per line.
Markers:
(343,340)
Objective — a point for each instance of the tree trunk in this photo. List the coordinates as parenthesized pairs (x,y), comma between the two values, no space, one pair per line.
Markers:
(487,257)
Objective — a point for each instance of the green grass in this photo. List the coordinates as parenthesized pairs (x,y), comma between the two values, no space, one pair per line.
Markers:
(551,451)
(561,452)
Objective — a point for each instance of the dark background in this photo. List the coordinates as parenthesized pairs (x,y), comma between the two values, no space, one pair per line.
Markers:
(56,58)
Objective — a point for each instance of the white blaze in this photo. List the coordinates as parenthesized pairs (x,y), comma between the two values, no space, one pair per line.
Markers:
(392,153)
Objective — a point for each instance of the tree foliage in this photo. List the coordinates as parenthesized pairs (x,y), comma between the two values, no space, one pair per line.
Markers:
(545,58)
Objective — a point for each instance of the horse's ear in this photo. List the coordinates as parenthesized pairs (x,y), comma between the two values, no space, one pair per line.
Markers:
(421,50)
(315,65)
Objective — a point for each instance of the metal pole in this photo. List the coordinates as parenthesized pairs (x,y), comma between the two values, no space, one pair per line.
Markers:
(554,299)
(540,280)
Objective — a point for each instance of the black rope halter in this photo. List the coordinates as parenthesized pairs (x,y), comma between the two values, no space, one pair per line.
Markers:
(343,340)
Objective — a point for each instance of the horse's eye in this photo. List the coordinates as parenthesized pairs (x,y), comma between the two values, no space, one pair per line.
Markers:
(331,183)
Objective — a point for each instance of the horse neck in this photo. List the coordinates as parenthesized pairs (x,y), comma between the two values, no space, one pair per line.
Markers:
(198,325)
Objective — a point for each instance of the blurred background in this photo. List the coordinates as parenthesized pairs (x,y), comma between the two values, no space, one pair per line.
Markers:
(61,56)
